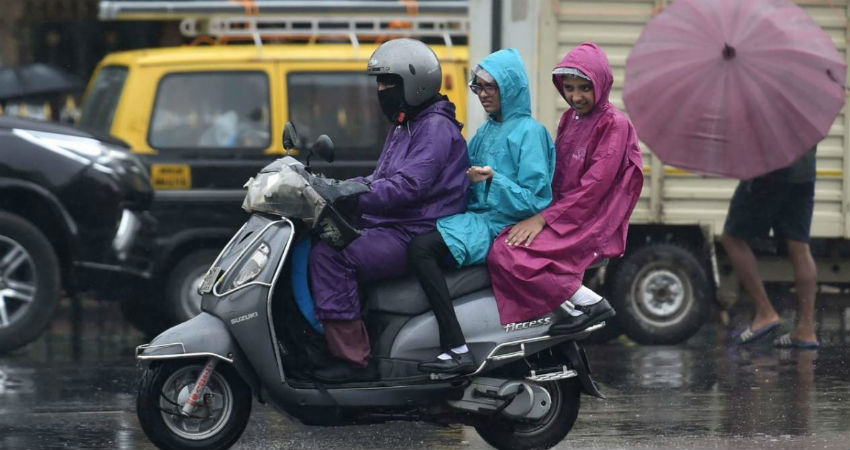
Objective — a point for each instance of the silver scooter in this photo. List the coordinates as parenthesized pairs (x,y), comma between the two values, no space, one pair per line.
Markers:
(199,376)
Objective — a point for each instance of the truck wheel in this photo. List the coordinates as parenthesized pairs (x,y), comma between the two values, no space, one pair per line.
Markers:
(184,302)
(29,282)
(661,294)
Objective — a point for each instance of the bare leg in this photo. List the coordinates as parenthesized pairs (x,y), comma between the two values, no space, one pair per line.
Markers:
(744,263)
(805,279)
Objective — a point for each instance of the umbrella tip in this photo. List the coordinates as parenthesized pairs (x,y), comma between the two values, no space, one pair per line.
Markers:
(728,51)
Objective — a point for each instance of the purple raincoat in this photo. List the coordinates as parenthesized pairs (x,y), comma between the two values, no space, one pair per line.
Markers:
(420,177)
(598,179)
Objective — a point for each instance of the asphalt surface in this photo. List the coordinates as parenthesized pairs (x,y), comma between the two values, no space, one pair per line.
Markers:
(74,389)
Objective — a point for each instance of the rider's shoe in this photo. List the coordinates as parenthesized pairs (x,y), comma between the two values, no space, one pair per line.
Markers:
(460,363)
(591,315)
(343,372)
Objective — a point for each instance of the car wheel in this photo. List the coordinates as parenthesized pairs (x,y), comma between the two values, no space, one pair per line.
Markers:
(184,302)
(29,282)
(661,293)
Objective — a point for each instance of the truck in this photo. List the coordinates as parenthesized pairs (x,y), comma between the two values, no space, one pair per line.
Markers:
(673,272)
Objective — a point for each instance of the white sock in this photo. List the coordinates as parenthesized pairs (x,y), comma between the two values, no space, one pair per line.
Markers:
(584,296)
(570,309)
(457,350)
(462,349)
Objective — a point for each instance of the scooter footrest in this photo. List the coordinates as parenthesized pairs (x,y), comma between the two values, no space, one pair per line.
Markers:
(580,334)
(552,374)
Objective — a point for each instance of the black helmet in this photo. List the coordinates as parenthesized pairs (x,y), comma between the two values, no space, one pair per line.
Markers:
(414,62)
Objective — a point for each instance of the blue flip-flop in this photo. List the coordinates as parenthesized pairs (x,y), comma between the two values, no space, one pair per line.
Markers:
(786,341)
(749,335)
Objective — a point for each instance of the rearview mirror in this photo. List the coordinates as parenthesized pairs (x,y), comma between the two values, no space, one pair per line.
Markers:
(290,136)
(324,147)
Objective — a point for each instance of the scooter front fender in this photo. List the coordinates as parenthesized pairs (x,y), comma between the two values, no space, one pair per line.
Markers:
(202,336)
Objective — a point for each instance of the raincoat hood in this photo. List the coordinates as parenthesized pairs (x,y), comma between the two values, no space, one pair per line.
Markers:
(507,68)
(591,60)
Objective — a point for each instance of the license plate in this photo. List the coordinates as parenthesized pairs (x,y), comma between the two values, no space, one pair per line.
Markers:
(171,176)
(209,280)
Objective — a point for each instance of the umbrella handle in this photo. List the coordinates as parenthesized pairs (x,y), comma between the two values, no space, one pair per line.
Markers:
(728,51)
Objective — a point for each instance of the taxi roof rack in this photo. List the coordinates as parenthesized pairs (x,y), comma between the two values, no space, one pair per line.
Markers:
(296,19)
(265,27)
(181,9)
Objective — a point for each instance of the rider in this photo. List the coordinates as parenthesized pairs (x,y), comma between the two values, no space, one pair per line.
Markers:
(419,178)
(512,158)
(540,262)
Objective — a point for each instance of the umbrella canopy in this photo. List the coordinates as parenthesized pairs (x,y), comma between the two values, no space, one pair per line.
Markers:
(734,88)
(36,79)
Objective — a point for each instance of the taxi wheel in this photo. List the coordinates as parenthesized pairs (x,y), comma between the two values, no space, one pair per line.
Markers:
(184,302)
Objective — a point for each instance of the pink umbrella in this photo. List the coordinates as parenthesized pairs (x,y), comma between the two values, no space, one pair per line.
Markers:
(734,88)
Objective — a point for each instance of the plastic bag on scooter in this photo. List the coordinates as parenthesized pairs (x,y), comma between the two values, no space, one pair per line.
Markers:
(285,192)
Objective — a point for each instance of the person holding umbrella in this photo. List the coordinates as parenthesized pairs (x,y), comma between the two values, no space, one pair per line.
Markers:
(782,200)
(707,88)
(538,264)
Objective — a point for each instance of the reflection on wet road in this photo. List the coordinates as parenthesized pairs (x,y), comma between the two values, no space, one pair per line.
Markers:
(74,389)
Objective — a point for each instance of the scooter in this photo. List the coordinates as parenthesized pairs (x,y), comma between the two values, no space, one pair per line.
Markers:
(199,376)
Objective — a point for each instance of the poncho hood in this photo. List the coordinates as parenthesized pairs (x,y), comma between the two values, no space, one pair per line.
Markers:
(508,70)
(591,60)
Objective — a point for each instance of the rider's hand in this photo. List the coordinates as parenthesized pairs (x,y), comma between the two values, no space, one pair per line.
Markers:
(478,174)
(525,232)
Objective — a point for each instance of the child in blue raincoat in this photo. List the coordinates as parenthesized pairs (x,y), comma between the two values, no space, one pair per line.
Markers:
(513,160)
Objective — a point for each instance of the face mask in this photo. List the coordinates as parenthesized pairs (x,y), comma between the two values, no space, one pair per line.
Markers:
(392,102)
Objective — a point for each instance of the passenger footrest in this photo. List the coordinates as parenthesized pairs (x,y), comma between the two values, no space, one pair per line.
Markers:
(552,374)
(581,334)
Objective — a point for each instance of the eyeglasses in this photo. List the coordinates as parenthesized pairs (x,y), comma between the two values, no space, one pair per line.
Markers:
(489,89)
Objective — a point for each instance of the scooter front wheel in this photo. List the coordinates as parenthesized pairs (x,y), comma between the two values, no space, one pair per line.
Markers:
(216,422)
(507,434)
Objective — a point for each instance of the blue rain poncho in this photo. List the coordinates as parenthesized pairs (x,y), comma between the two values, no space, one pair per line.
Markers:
(522,155)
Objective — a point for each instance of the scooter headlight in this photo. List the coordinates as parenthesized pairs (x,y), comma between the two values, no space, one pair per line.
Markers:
(253,266)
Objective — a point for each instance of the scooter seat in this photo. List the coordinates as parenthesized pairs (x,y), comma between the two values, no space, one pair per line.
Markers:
(405,295)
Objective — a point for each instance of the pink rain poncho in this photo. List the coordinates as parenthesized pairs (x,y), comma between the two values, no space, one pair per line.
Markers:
(597,182)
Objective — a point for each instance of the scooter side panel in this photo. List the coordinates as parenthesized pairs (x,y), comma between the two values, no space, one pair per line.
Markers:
(247,310)
(478,316)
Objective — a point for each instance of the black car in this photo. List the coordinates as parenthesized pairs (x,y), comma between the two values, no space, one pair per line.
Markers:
(73,216)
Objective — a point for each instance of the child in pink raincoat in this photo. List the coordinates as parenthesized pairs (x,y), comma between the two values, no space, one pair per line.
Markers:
(538,264)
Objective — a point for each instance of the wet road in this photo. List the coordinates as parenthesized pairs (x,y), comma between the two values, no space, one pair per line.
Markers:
(73,389)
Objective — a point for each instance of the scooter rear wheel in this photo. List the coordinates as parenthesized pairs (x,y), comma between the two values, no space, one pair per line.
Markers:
(216,424)
(506,434)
